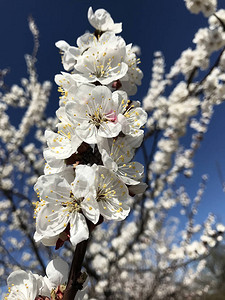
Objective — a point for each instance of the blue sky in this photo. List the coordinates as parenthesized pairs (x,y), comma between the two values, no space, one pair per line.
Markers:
(153,25)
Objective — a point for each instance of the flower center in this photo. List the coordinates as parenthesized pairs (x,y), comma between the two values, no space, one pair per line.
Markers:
(97,118)
(104,194)
(73,204)
(102,66)
(57,294)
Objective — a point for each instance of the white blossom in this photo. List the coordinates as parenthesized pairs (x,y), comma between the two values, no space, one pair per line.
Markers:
(102,21)
(69,56)
(207,7)
(61,202)
(27,286)
(103,61)
(117,155)
(105,114)
(22,285)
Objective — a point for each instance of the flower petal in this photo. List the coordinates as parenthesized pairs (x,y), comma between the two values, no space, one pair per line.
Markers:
(78,229)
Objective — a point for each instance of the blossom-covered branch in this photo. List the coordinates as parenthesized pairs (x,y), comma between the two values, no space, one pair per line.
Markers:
(95,205)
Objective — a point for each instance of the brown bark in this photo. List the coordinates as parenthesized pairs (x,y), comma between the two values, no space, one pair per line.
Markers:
(75,277)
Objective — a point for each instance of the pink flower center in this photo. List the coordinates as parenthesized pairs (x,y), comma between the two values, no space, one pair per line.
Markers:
(111,116)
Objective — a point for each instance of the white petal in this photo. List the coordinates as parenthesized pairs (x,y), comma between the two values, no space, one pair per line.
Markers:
(113,195)
(101,20)
(131,173)
(62,45)
(51,220)
(55,186)
(108,161)
(46,240)
(53,165)
(57,271)
(90,207)
(19,279)
(78,229)
(109,129)
(138,189)
(125,127)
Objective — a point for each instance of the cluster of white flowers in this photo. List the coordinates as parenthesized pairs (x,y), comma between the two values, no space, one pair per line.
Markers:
(89,175)
(207,7)
(89,172)
(20,165)
(171,114)
(35,97)
(28,286)
(89,168)
(157,254)
(101,57)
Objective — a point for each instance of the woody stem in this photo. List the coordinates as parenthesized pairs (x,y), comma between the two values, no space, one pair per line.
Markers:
(75,271)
